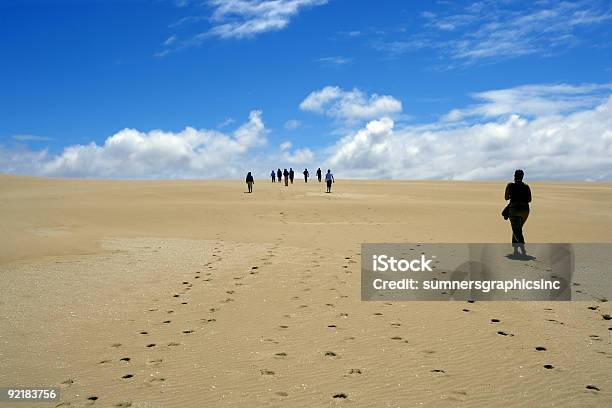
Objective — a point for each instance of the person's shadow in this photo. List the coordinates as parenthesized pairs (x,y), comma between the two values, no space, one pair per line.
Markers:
(521,257)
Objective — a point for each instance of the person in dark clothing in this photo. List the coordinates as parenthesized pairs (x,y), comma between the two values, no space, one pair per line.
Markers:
(273,175)
(306,174)
(291,174)
(250,182)
(319,174)
(519,195)
(286,174)
(279,175)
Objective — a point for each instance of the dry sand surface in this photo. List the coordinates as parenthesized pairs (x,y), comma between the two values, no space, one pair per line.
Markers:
(158,294)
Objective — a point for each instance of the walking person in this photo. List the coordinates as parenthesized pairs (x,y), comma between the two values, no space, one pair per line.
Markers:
(329,179)
(319,174)
(250,182)
(517,210)
(273,175)
(286,174)
(279,175)
(306,174)
(291,174)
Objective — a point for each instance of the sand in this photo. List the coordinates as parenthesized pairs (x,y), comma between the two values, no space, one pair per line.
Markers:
(203,296)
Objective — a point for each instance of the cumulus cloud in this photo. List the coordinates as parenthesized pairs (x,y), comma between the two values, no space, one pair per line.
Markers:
(575,145)
(351,105)
(551,131)
(155,154)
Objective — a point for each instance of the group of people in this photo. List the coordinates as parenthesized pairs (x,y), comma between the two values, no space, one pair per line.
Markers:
(289,175)
(517,193)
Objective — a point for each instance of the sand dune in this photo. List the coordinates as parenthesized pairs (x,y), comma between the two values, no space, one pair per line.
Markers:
(195,294)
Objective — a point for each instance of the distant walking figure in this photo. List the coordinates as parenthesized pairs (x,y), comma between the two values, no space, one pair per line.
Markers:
(286,174)
(306,174)
(329,179)
(319,174)
(273,175)
(519,195)
(279,175)
(250,182)
(291,174)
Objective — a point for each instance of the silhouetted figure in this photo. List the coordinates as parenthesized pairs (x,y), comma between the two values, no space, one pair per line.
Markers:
(306,174)
(273,175)
(519,195)
(286,174)
(250,182)
(291,174)
(329,179)
(319,174)
(279,175)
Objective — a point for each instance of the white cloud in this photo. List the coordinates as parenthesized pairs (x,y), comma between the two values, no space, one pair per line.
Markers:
(350,105)
(243,18)
(533,100)
(575,145)
(237,19)
(226,122)
(155,154)
(565,134)
(292,124)
(492,30)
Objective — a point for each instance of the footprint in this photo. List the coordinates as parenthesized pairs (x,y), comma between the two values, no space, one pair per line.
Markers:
(592,387)
(127,376)
(167,321)
(548,366)
(144,332)
(67,383)
(283,327)
(465,310)
(92,398)
(396,338)
(341,395)
(115,345)
(502,333)
(187,331)
(126,359)
(266,372)
(330,354)
(280,355)
(540,348)
(396,324)
(438,371)
(495,320)
(281,394)
(151,345)
(173,344)
(124,404)
(354,371)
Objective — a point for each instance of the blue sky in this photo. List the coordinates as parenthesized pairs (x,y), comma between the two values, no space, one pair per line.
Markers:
(324,83)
